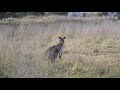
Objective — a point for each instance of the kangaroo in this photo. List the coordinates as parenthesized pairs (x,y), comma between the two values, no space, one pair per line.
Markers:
(53,52)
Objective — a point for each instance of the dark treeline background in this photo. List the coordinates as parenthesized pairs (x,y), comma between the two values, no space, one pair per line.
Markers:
(22,14)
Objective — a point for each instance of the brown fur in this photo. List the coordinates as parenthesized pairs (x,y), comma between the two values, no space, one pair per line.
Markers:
(53,52)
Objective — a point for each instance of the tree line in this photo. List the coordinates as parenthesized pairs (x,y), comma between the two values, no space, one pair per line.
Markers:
(22,14)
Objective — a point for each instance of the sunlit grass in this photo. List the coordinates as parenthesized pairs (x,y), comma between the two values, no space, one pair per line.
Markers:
(91,49)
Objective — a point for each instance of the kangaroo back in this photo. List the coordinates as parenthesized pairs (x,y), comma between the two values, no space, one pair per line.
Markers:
(53,52)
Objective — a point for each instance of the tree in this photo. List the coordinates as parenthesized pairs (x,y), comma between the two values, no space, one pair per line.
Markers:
(3,15)
(104,13)
(118,13)
(22,14)
(114,15)
(84,14)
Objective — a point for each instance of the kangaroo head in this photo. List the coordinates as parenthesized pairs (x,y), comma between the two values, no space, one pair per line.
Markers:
(62,40)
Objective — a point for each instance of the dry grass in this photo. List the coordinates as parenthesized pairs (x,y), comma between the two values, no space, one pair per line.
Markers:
(92,48)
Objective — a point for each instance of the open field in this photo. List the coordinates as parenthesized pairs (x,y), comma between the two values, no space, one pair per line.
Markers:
(91,48)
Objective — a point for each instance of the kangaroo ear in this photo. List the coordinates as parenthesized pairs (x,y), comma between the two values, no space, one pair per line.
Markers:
(64,37)
(60,38)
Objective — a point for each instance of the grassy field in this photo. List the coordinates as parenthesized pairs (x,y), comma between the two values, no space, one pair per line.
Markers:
(91,48)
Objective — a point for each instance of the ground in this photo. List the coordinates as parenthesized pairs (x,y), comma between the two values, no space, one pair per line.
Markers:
(91,48)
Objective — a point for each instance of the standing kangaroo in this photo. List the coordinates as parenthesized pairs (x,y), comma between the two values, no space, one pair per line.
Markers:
(53,52)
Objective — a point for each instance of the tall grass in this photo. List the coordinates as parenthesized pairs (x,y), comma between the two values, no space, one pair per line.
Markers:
(92,48)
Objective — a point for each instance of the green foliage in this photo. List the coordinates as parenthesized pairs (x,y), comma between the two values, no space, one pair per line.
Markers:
(99,14)
(47,13)
(105,13)
(2,75)
(18,14)
(84,15)
(22,14)
(57,13)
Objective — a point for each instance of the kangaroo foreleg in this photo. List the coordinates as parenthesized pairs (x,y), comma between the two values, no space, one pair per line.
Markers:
(60,54)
